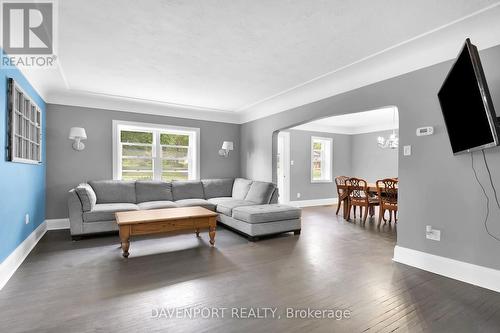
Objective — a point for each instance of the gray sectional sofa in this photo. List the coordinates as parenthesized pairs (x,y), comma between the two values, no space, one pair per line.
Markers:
(246,206)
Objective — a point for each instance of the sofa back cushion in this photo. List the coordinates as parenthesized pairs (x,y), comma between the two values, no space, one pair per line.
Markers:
(114,191)
(147,190)
(187,190)
(87,196)
(216,188)
(240,188)
(260,192)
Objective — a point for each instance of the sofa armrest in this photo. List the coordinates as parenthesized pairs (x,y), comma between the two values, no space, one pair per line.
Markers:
(75,212)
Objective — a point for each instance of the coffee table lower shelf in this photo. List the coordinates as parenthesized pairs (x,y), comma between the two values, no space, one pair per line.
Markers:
(158,221)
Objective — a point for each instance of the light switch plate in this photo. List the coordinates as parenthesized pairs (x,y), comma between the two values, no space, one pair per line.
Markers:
(407,150)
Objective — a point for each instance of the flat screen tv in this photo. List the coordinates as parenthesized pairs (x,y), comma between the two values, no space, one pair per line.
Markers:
(466,104)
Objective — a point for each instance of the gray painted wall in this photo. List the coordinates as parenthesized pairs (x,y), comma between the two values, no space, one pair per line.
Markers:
(371,162)
(436,188)
(67,168)
(300,172)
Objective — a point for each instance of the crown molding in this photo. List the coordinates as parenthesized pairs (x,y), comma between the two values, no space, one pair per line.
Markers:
(433,47)
(144,106)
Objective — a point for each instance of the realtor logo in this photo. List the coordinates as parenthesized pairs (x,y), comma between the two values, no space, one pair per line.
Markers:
(27,27)
(28,34)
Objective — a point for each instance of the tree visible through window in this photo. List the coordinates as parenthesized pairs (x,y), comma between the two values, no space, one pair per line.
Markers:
(156,153)
(321,159)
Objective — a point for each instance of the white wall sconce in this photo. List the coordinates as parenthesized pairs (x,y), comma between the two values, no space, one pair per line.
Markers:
(78,135)
(226,147)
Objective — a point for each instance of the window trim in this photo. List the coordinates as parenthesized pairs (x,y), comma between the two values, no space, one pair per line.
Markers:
(330,180)
(118,124)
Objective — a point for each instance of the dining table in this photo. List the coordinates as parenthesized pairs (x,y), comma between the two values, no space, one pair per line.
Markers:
(372,188)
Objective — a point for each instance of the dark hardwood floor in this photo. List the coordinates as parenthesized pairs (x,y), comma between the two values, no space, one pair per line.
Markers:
(86,286)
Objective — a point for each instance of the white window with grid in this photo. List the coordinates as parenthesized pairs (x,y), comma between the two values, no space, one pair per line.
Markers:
(25,126)
(321,160)
(155,152)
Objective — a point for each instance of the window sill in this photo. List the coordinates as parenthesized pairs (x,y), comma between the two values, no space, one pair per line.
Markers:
(321,181)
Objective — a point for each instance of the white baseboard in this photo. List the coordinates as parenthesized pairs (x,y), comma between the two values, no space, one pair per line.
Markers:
(477,275)
(56,224)
(9,266)
(314,202)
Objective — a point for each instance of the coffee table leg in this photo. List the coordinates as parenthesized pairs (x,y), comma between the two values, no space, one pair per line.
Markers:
(211,230)
(125,240)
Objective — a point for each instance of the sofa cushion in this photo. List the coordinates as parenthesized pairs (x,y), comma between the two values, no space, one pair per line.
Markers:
(114,191)
(156,204)
(106,212)
(195,202)
(226,207)
(219,200)
(153,191)
(214,188)
(87,196)
(187,190)
(266,213)
(260,192)
(240,188)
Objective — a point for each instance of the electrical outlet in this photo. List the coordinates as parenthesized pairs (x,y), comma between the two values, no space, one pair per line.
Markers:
(432,234)
(27,219)
(291,162)
(298,195)
(407,150)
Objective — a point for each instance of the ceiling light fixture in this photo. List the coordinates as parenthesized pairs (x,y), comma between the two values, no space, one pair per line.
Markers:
(393,141)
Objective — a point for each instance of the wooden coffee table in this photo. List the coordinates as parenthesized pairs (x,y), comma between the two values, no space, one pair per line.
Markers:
(154,221)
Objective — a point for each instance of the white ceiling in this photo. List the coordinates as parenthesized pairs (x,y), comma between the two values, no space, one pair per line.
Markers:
(238,60)
(356,123)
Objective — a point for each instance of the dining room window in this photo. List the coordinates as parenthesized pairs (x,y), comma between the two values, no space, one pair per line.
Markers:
(155,152)
(321,159)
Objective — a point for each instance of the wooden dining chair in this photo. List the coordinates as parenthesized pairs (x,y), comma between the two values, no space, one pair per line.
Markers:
(360,197)
(387,190)
(342,192)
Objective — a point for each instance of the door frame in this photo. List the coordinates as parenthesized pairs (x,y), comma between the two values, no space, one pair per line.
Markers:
(285,191)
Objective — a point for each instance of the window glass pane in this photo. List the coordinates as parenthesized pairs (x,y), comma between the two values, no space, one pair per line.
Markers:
(19,122)
(18,146)
(136,137)
(137,168)
(27,108)
(171,175)
(26,149)
(137,164)
(174,152)
(174,139)
(143,175)
(17,100)
(140,151)
(174,165)
(321,160)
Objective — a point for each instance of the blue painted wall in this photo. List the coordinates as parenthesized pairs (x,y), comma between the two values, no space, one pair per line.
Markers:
(22,186)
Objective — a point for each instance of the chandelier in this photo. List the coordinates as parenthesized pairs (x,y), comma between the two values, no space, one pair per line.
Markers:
(392,142)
